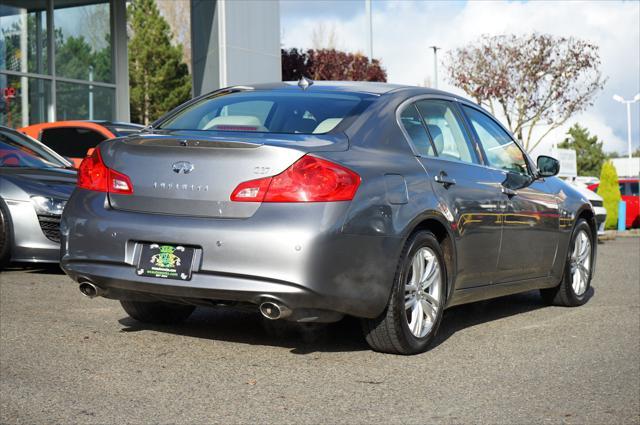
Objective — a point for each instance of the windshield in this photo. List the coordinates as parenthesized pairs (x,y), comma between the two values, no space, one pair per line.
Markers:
(289,112)
(20,151)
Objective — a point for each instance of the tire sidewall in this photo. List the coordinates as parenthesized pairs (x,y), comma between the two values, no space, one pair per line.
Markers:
(582,225)
(5,225)
(419,240)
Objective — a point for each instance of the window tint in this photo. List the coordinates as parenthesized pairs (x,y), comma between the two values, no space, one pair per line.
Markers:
(412,122)
(446,130)
(623,188)
(501,150)
(633,189)
(305,112)
(71,141)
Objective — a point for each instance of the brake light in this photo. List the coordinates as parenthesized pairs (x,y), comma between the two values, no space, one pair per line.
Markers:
(94,175)
(310,179)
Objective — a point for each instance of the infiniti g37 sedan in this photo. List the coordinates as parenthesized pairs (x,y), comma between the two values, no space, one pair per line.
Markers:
(314,201)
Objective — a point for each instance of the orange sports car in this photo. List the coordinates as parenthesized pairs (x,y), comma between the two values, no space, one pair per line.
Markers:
(74,139)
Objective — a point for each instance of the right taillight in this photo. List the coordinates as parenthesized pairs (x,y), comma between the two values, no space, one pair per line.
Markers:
(94,175)
(310,179)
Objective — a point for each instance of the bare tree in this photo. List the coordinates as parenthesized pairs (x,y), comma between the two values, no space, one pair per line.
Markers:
(533,80)
(323,37)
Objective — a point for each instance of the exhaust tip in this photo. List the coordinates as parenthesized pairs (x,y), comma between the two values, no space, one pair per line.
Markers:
(274,311)
(90,290)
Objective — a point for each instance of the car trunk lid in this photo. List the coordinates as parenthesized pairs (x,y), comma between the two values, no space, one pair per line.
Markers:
(181,173)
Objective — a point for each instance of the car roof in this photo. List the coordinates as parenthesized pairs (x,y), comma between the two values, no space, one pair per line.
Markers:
(365,87)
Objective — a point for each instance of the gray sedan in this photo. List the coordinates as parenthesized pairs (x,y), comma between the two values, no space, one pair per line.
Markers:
(315,201)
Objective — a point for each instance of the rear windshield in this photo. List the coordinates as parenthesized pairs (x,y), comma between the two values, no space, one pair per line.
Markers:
(270,112)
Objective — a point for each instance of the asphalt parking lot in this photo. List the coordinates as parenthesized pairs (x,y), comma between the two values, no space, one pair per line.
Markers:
(68,359)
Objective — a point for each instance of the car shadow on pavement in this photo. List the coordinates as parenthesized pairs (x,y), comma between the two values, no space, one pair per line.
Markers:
(223,324)
(481,312)
(43,268)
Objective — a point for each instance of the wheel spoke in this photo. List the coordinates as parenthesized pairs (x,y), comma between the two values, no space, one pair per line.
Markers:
(409,303)
(431,300)
(429,310)
(418,269)
(419,320)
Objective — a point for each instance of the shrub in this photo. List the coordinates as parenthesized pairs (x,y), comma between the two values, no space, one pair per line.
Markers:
(610,192)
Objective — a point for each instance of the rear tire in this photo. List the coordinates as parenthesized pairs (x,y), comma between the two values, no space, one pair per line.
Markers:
(412,317)
(576,280)
(5,235)
(157,312)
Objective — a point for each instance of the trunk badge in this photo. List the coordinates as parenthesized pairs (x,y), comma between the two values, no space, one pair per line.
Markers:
(182,167)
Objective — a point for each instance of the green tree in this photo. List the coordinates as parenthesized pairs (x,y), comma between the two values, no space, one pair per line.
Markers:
(610,192)
(589,153)
(158,78)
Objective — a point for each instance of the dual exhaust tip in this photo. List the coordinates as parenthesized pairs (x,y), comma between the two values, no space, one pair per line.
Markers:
(272,310)
(90,290)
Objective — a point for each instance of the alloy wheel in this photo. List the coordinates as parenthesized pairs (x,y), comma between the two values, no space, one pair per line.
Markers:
(581,263)
(422,292)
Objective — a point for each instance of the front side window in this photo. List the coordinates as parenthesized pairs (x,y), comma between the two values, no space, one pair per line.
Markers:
(412,123)
(446,130)
(634,189)
(289,112)
(501,150)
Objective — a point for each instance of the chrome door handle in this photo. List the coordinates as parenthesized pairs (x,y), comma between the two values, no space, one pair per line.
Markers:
(509,192)
(444,180)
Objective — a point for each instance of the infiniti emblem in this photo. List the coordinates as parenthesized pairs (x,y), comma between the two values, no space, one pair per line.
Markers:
(182,167)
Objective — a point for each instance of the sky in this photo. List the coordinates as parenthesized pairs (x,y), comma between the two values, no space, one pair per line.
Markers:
(404,30)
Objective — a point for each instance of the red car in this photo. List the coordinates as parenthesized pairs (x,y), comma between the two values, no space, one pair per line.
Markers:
(74,139)
(630,191)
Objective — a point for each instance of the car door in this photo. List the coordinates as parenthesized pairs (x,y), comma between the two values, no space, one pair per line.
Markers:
(469,194)
(530,231)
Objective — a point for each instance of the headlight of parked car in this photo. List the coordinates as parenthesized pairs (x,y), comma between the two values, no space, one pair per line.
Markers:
(48,206)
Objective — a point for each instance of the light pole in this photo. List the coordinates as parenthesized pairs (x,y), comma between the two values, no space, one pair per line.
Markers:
(435,65)
(369,7)
(620,99)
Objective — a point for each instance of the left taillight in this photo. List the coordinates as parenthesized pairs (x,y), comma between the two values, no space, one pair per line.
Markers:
(94,175)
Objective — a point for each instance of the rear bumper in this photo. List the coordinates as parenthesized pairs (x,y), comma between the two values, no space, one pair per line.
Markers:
(294,253)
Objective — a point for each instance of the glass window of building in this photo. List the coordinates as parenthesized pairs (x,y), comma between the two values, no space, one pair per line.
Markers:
(56,61)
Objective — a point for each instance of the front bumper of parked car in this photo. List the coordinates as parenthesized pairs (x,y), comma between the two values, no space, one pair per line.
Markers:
(36,238)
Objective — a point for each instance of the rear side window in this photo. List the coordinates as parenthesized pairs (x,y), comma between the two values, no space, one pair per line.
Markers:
(71,141)
(412,123)
(634,189)
(446,130)
(289,112)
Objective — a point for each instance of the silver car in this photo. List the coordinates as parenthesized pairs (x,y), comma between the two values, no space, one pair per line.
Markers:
(315,201)
(35,184)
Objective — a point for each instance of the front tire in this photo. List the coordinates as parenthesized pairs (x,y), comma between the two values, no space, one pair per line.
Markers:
(416,304)
(576,281)
(5,235)
(157,312)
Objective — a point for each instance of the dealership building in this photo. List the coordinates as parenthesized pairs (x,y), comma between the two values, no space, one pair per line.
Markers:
(67,59)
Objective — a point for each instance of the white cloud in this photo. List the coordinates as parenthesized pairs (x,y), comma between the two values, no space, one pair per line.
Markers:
(403,32)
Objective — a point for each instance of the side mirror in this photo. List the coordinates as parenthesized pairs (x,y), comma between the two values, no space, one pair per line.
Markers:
(90,151)
(547,166)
